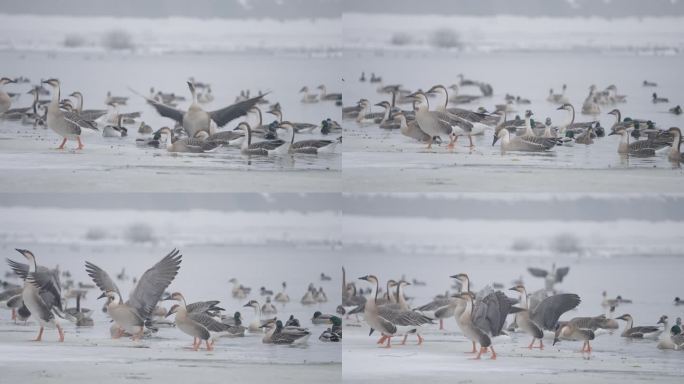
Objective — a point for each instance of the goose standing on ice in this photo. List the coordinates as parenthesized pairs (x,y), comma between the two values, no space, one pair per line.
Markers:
(471,330)
(196,119)
(545,315)
(525,142)
(41,294)
(64,123)
(130,316)
(196,322)
(573,330)
(434,124)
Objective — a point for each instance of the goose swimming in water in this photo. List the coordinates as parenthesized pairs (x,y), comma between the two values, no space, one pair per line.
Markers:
(282,297)
(308,98)
(311,147)
(130,316)
(641,332)
(41,294)
(197,144)
(329,96)
(195,119)
(657,99)
(640,148)
(262,148)
(257,324)
(545,315)
(64,123)
(526,142)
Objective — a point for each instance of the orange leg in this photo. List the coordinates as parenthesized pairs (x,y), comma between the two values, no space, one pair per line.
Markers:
(420,339)
(209,347)
(119,333)
(430,143)
(389,340)
(80,145)
(493,353)
(382,339)
(61,146)
(194,342)
(479,354)
(541,345)
(471,141)
(532,343)
(404,341)
(452,142)
(61,333)
(588,347)
(441,324)
(40,335)
(14,314)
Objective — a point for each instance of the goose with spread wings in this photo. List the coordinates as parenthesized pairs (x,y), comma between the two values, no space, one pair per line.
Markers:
(196,119)
(42,294)
(130,316)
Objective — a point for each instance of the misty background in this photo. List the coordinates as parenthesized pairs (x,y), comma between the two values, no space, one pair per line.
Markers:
(293,9)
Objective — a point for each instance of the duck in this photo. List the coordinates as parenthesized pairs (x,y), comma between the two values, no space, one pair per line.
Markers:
(334,333)
(647,83)
(144,129)
(277,334)
(130,316)
(238,291)
(235,329)
(669,340)
(641,332)
(321,318)
(115,130)
(657,99)
(677,110)
(309,298)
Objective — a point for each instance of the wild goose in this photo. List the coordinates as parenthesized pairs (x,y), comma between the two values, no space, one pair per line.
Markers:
(411,129)
(670,340)
(386,320)
(82,315)
(115,130)
(64,123)
(642,332)
(197,144)
(268,308)
(657,99)
(352,112)
(306,97)
(90,114)
(558,98)
(257,324)
(41,294)
(131,316)
(461,99)
(329,96)
(571,125)
(573,330)
(675,154)
(11,299)
(5,99)
(373,117)
(277,334)
(433,123)
(195,119)
(239,291)
(639,148)
(475,123)
(523,143)
(196,320)
(545,315)
(282,297)
(311,147)
(276,111)
(261,148)
(115,99)
(471,330)
(551,278)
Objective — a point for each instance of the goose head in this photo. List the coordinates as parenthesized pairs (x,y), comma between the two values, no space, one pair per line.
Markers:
(252,304)
(662,320)
(625,317)
(28,255)
(174,309)
(7,80)
(369,278)
(565,107)
(54,83)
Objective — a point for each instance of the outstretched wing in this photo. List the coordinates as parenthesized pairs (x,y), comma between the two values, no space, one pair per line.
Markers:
(222,116)
(538,272)
(166,111)
(208,322)
(153,283)
(548,312)
(561,273)
(48,283)
(101,278)
(19,269)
